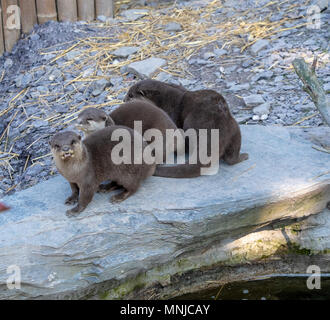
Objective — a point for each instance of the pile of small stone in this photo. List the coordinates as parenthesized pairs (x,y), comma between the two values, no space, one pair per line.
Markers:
(61,68)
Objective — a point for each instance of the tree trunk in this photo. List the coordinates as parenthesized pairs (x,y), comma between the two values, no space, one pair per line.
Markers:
(46,10)
(86,10)
(28,15)
(11,23)
(104,8)
(67,10)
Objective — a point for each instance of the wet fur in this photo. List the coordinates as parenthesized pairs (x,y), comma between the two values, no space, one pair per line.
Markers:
(202,109)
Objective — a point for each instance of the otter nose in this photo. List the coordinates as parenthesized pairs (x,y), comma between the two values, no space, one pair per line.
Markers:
(65,148)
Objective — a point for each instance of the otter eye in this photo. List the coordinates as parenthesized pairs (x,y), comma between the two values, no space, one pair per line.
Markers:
(89,119)
(130,95)
(57,146)
(73,142)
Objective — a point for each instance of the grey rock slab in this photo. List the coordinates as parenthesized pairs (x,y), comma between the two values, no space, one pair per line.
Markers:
(259,45)
(173,26)
(261,110)
(253,100)
(134,14)
(146,68)
(110,245)
(124,52)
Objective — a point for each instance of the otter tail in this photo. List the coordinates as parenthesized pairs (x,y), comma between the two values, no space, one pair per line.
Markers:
(179,171)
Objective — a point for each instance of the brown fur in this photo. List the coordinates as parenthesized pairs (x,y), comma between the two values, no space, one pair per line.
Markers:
(85,164)
(150,115)
(202,109)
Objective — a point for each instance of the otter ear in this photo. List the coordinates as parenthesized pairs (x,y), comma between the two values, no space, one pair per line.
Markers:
(79,137)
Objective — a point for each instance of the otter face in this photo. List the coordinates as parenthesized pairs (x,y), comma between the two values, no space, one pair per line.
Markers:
(91,120)
(145,89)
(66,145)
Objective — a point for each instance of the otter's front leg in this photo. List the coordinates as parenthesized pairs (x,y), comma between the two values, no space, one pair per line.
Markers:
(86,193)
(74,196)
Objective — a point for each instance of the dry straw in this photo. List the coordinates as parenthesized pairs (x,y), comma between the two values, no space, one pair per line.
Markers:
(200,27)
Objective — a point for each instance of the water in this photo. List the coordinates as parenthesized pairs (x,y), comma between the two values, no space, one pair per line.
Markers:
(274,287)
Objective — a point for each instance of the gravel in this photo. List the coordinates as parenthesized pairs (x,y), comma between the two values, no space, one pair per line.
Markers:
(258,83)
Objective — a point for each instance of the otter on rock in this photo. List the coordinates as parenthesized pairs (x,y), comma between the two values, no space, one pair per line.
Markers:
(85,164)
(201,109)
(151,117)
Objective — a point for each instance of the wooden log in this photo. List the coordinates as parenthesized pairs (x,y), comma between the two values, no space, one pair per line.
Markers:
(104,8)
(28,14)
(313,86)
(46,10)
(67,10)
(86,10)
(2,43)
(11,23)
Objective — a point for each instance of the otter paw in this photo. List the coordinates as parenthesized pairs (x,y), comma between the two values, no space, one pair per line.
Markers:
(119,197)
(71,200)
(73,212)
(244,156)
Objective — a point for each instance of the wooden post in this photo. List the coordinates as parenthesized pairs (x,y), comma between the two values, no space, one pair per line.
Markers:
(2,44)
(104,8)
(86,10)
(46,10)
(67,10)
(28,14)
(11,23)
(313,86)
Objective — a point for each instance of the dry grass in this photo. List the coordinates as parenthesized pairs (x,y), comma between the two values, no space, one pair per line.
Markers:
(200,27)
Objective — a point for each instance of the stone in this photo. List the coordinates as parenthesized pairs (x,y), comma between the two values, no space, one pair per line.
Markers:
(88,72)
(239,87)
(220,52)
(24,80)
(8,63)
(165,77)
(134,14)
(173,26)
(124,52)
(40,123)
(208,55)
(178,229)
(102,18)
(262,109)
(253,100)
(146,68)
(259,45)
(72,55)
(99,86)
(34,37)
(326,87)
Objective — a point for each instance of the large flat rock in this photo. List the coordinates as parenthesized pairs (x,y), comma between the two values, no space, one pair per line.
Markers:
(166,220)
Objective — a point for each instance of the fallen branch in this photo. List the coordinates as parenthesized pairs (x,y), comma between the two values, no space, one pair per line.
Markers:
(313,86)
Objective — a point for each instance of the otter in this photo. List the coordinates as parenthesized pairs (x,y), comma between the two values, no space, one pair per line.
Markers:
(85,164)
(201,109)
(151,117)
